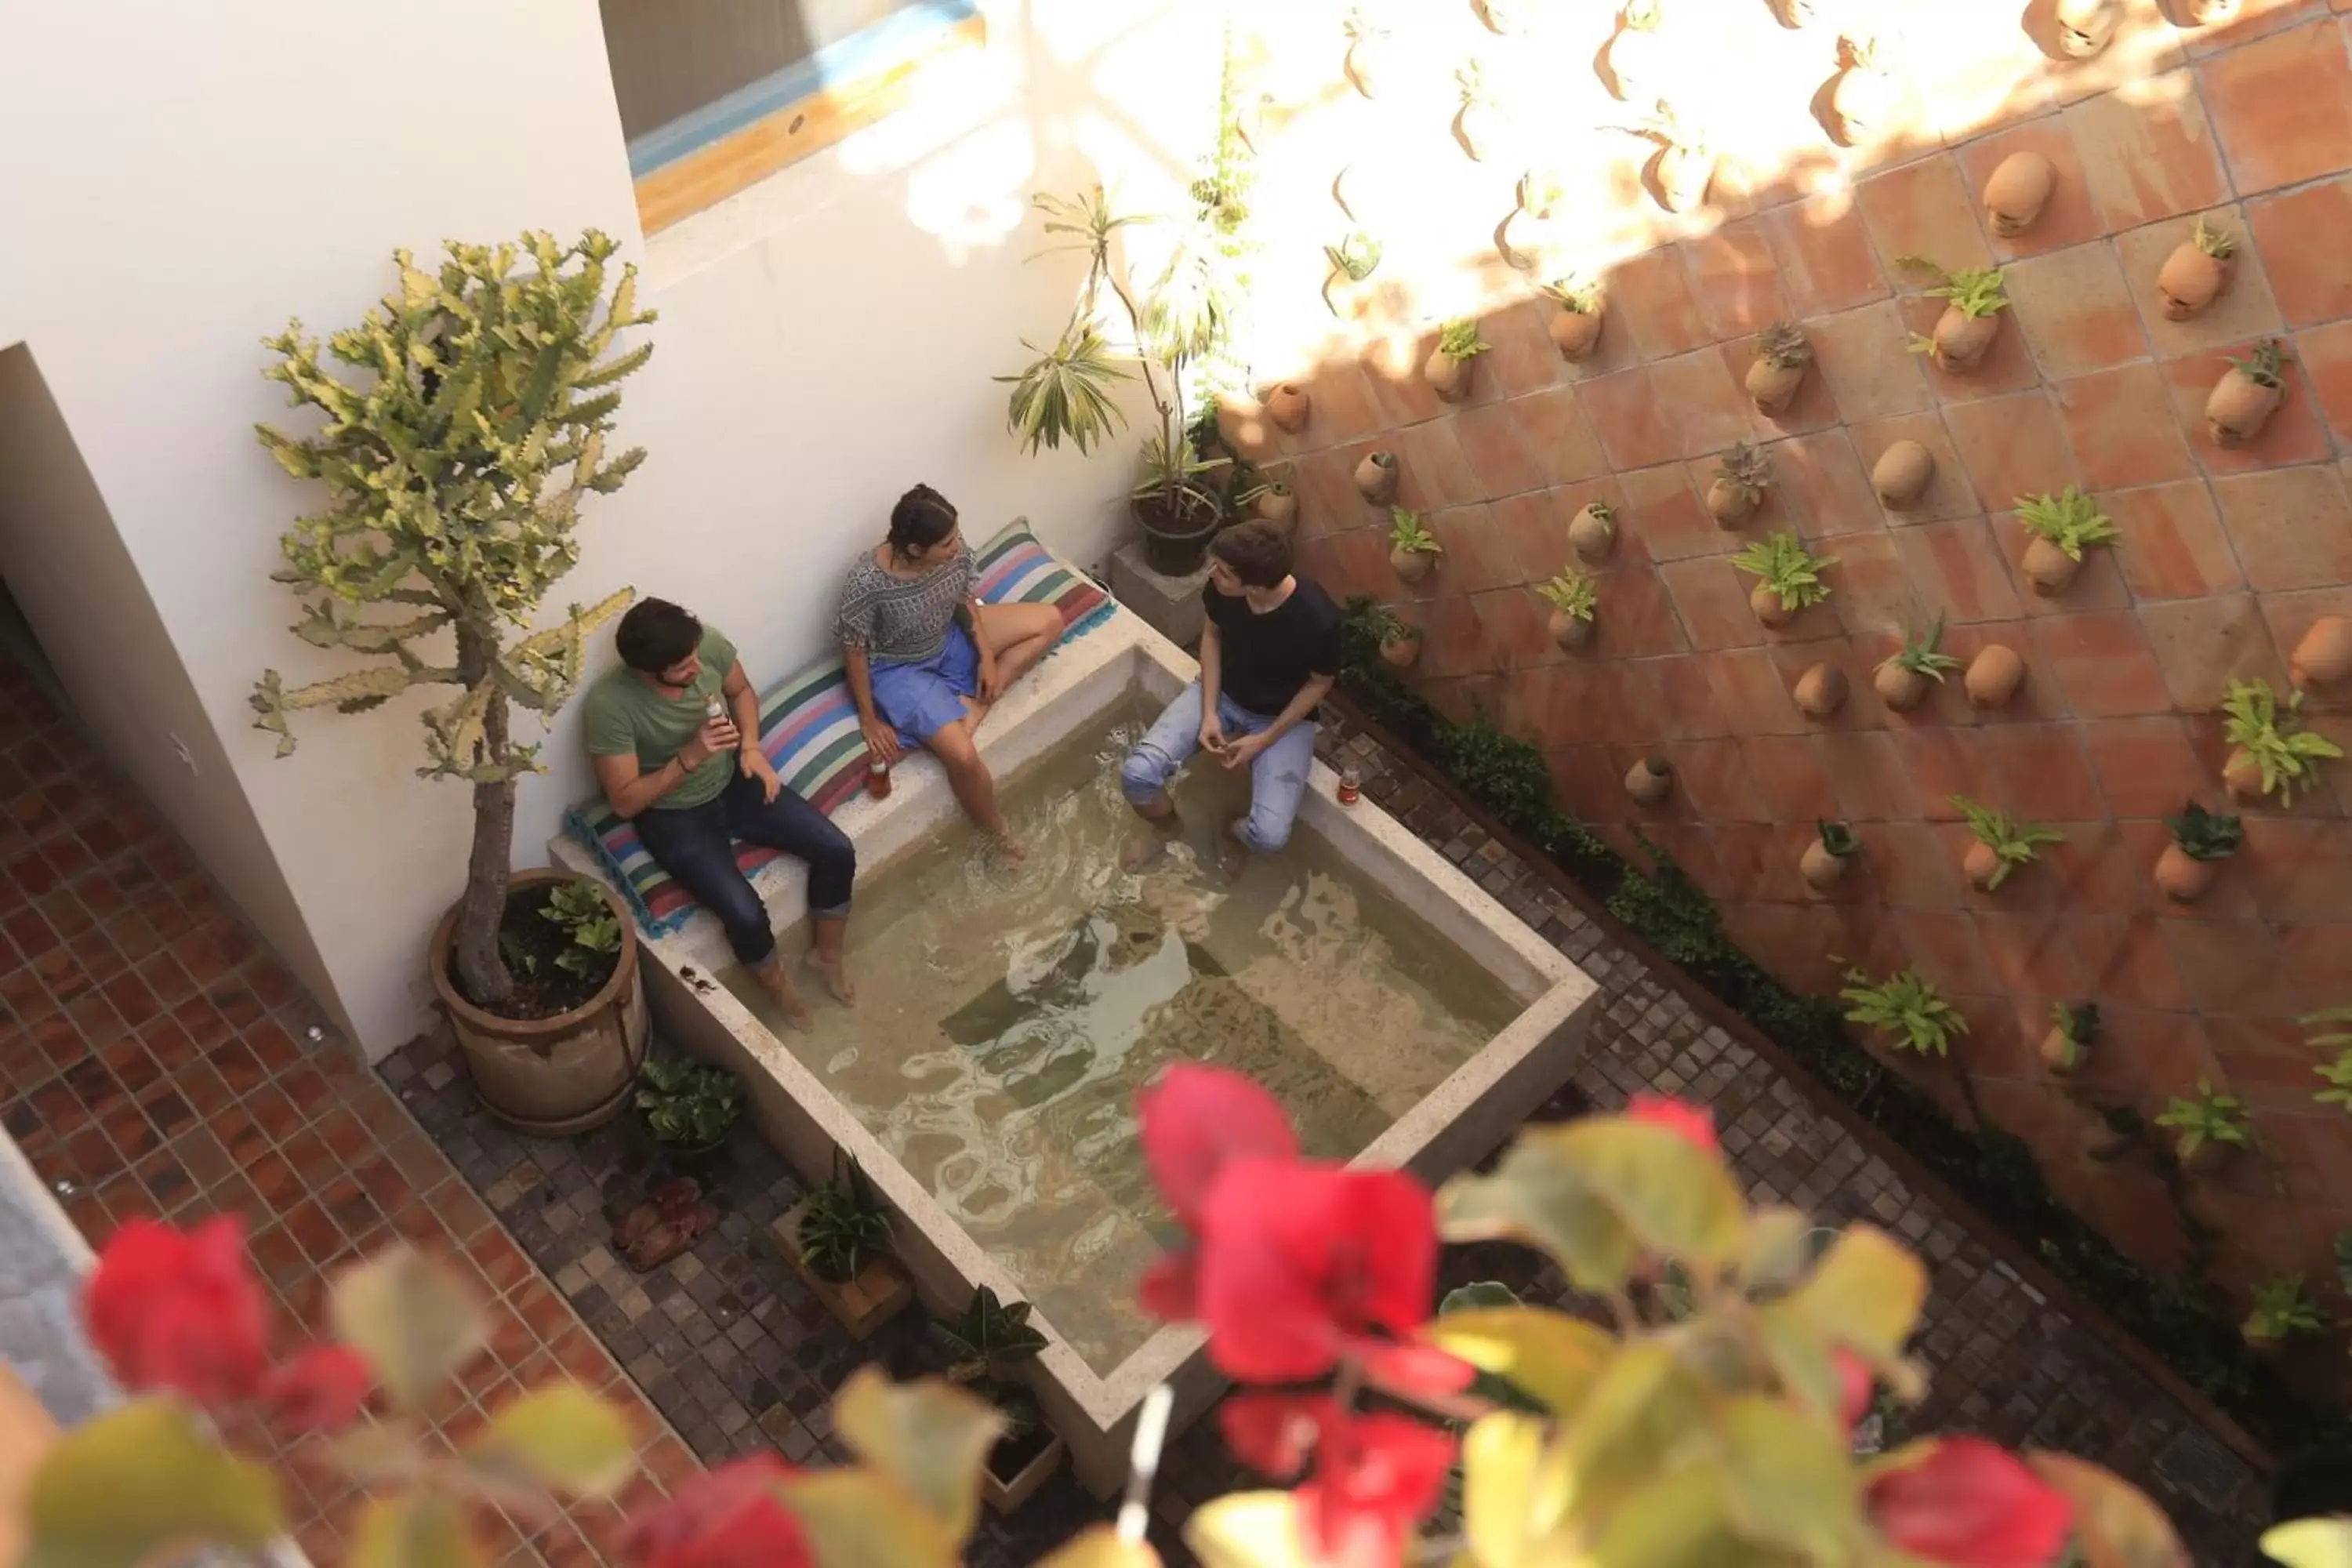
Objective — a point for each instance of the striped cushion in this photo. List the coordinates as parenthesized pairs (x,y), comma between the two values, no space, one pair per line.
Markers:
(808,728)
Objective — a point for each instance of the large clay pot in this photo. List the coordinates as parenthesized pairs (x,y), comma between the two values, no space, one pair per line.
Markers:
(550,1078)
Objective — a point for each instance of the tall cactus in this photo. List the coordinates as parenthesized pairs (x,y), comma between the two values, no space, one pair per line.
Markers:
(455,462)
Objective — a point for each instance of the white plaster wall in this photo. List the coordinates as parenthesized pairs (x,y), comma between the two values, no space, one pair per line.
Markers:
(183,178)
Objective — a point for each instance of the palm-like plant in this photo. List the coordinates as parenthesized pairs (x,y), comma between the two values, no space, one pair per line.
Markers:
(2275,752)
(1905,1005)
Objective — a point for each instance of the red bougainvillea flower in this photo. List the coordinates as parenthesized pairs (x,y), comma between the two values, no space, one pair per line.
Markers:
(1192,1121)
(726,1518)
(1971,1504)
(1694,1123)
(321,1390)
(1301,1263)
(180,1310)
(1376,1477)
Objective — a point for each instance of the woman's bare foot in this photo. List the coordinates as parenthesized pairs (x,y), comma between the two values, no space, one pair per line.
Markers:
(788,995)
(835,972)
(1009,849)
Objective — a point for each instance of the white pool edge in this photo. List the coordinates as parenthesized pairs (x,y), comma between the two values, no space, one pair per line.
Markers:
(1471,1112)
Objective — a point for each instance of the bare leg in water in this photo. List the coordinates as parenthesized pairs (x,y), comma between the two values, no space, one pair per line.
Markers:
(975,791)
(825,956)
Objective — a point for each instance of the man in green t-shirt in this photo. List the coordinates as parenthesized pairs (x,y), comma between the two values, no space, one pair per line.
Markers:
(675,734)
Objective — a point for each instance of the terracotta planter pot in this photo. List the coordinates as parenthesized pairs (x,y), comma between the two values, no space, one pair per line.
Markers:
(1400,653)
(1591,536)
(550,1078)
(1575,335)
(1994,676)
(1447,377)
(1820,691)
(1412,565)
(2049,569)
(1861,105)
(876,1293)
(1981,864)
(1376,480)
(2017,192)
(2322,657)
(1767,606)
(1649,781)
(1277,509)
(1773,387)
(1821,869)
(1960,342)
(1683,174)
(2183,877)
(1900,687)
(2239,408)
(2191,279)
(1007,1494)
(1901,473)
(2059,1054)
(2244,775)
(1571,632)
(1731,505)
(1288,406)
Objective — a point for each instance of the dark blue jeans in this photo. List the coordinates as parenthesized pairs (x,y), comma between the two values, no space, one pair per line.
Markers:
(696,846)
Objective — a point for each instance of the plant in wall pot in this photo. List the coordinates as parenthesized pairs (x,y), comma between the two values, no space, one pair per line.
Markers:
(2063,527)
(1779,369)
(2003,844)
(2200,840)
(1905,1007)
(1576,330)
(689,1106)
(1353,261)
(2209,1129)
(2332,1029)
(1398,639)
(2275,753)
(1452,362)
(1741,477)
(1592,533)
(2073,1027)
(1412,549)
(838,1238)
(2197,270)
(1480,126)
(1573,596)
(1863,97)
(991,1341)
(1684,164)
(1973,301)
(1902,677)
(1825,859)
(1270,501)
(456,461)
(2282,1307)
(1790,576)
(2246,396)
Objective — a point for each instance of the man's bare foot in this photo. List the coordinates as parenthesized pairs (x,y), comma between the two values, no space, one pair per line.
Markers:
(1007,848)
(1143,851)
(835,972)
(788,998)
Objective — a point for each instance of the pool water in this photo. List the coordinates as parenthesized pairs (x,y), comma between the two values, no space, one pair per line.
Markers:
(1007,1014)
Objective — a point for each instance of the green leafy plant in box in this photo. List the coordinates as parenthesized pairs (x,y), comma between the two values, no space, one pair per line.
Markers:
(843,1225)
(688,1106)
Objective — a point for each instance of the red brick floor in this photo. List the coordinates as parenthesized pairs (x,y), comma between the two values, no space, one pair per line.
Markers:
(155,1060)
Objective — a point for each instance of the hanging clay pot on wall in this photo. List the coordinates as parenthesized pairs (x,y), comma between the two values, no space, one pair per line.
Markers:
(2198,271)
(2322,657)
(2242,774)
(1637,55)
(1400,648)
(1376,478)
(1737,489)
(2246,396)
(1649,781)
(1411,565)
(1994,676)
(1960,341)
(2070,1034)
(1685,165)
(1901,688)
(1288,406)
(2087,27)
(1823,863)
(1779,369)
(1901,473)
(1569,632)
(2181,877)
(2048,569)
(2020,188)
(1981,866)
(1576,329)
(1767,606)
(1863,97)
(1276,506)
(1820,691)
(1593,532)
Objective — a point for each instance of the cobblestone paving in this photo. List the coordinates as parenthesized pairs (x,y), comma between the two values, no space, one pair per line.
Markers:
(733,1348)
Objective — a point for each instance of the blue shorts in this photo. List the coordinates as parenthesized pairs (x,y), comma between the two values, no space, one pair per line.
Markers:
(919,701)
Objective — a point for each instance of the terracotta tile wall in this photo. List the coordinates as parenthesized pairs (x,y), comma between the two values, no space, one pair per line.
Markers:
(2226,559)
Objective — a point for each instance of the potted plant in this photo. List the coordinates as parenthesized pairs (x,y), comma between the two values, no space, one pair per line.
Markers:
(2003,844)
(1901,474)
(1573,596)
(456,461)
(1741,477)
(1905,1008)
(1398,639)
(1412,549)
(2322,656)
(2018,190)
(2198,271)
(2282,1307)
(1649,781)
(1863,97)
(1790,576)
(1637,55)
(1779,369)
(1973,301)
(1821,691)
(838,1239)
(689,1106)
(1480,124)
(2063,526)
(990,1342)
(1270,501)
(1684,167)
(1450,363)
(2200,839)
(2072,1030)
(2274,755)
(1994,676)
(1368,55)
(2246,396)
(2208,1129)
(1353,261)
(2336,1073)
(1825,859)
(1900,679)
(1592,533)
(1576,330)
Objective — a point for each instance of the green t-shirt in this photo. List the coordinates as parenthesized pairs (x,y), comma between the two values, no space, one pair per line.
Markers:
(626,714)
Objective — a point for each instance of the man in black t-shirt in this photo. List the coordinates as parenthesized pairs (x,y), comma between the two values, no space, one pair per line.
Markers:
(1269,652)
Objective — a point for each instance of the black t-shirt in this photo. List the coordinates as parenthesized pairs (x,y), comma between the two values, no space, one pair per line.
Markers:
(1264,660)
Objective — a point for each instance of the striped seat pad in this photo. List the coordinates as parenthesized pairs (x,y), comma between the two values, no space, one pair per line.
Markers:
(808,728)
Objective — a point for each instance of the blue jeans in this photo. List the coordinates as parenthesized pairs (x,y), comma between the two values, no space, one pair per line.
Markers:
(1277,774)
(696,845)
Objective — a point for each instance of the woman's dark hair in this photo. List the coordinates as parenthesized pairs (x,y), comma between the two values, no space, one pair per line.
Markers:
(920,519)
(1259,556)
(656,635)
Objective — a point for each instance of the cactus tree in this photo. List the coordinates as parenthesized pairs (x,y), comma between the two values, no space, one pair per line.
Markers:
(455,461)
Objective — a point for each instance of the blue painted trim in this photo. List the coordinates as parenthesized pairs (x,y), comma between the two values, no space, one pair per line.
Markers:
(863,54)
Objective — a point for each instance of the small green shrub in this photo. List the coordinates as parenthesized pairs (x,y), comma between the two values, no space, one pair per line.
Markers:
(843,1225)
(2078,1025)
(579,908)
(1906,1006)
(2332,1029)
(1579,295)
(1458,340)
(1838,839)
(1972,293)
(2288,755)
(2265,367)
(2283,1306)
(688,1105)
(1791,572)
(2069,520)
(1573,594)
(2205,835)
(1748,468)
(2210,1118)
(1357,256)
(1924,655)
(1783,345)
(1407,532)
(2013,841)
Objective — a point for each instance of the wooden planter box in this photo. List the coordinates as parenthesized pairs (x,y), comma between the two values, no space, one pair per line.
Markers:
(1007,1494)
(879,1292)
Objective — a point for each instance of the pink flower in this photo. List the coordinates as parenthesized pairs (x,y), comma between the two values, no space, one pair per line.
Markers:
(321,1390)
(1193,1121)
(1970,1504)
(180,1310)
(1694,1122)
(1376,1477)
(728,1518)
(1855,1387)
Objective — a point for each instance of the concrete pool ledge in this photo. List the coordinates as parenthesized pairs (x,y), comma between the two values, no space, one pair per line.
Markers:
(1469,1113)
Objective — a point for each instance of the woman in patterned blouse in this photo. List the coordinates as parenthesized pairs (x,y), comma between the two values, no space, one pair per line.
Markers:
(925,659)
